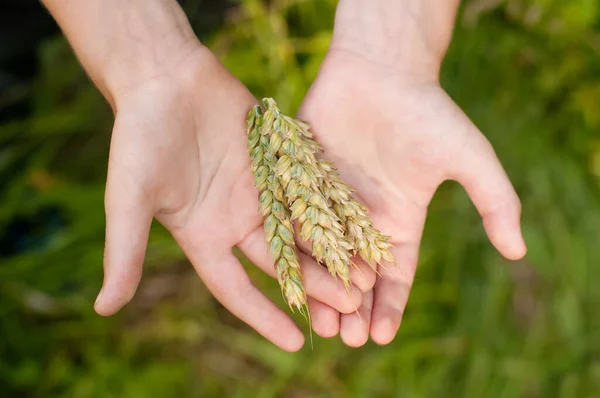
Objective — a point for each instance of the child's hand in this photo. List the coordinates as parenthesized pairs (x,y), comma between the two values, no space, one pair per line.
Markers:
(396,137)
(179,152)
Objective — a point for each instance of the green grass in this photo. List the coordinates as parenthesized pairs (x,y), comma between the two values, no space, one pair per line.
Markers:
(476,325)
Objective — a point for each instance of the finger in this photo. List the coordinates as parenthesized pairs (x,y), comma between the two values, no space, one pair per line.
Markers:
(325,320)
(317,281)
(227,280)
(128,219)
(488,186)
(361,275)
(354,328)
(391,293)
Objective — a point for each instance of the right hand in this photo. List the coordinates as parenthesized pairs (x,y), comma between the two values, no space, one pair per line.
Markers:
(179,153)
(380,114)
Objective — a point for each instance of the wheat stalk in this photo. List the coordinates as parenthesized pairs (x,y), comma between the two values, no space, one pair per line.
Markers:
(277,222)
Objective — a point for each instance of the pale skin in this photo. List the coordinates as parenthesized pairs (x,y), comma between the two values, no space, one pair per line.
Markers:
(178,154)
(396,136)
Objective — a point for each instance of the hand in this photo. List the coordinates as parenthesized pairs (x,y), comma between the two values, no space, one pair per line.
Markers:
(396,136)
(179,153)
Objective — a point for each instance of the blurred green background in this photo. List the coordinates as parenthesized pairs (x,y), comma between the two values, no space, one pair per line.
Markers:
(526,71)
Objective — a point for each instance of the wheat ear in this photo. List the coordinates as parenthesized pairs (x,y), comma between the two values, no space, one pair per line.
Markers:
(366,240)
(297,170)
(277,222)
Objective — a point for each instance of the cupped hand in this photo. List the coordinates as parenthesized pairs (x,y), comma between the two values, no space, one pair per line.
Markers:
(396,136)
(179,153)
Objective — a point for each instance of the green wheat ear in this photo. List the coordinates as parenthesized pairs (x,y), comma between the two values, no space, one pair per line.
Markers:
(278,228)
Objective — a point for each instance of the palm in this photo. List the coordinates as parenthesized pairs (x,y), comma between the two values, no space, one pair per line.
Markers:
(395,139)
(179,153)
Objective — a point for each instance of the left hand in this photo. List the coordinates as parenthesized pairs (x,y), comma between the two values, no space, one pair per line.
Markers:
(395,137)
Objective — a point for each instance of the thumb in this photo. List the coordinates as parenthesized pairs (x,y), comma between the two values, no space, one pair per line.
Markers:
(128,219)
(479,171)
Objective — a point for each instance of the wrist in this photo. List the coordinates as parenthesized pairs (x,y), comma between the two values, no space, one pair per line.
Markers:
(124,43)
(410,36)
(132,68)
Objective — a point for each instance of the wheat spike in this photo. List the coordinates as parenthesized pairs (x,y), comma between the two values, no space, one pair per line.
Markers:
(297,170)
(366,240)
(279,233)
